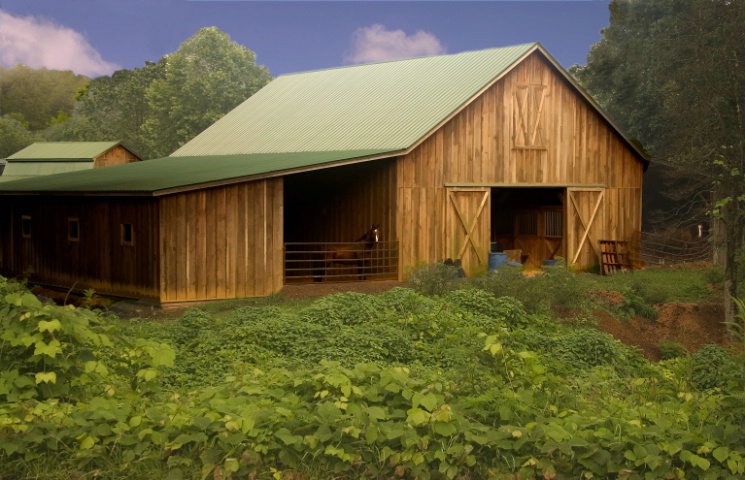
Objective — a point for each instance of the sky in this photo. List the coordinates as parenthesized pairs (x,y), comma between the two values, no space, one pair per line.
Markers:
(98,37)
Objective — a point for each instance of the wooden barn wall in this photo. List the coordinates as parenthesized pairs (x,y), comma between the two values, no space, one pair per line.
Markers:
(342,203)
(222,242)
(116,156)
(476,147)
(98,259)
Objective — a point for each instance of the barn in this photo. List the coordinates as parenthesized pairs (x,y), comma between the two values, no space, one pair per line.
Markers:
(447,154)
(50,158)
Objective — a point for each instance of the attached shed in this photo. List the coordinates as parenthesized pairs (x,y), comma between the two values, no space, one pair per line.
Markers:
(49,158)
(447,154)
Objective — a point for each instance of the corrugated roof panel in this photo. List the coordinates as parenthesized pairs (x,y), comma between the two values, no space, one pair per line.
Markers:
(387,105)
(176,172)
(62,151)
(29,168)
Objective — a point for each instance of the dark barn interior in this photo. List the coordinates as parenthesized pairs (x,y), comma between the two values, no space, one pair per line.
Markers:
(530,220)
(328,210)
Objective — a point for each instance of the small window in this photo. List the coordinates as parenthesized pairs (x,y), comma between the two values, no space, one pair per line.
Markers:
(554,223)
(128,234)
(26,226)
(73,229)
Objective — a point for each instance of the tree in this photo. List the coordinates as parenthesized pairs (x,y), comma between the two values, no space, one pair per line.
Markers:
(37,96)
(13,136)
(672,75)
(205,78)
(117,106)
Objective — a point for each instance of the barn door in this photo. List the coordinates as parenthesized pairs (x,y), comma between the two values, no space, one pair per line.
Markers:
(468,226)
(585,225)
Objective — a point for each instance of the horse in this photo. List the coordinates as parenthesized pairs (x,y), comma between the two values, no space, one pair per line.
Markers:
(353,253)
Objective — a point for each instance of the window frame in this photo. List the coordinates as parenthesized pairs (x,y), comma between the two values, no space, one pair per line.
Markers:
(70,222)
(124,229)
(26,226)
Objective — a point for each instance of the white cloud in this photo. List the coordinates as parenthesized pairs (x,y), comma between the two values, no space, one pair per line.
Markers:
(40,43)
(377,44)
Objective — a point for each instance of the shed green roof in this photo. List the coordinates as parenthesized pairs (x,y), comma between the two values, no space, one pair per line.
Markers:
(31,168)
(388,106)
(62,151)
(176,172)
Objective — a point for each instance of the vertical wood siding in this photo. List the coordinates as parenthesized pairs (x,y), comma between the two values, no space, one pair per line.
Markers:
(98,259)
(340,204)
(476,147)
(116,156)
(222,242)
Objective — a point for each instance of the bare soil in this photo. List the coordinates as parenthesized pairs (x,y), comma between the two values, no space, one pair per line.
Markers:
(691,325)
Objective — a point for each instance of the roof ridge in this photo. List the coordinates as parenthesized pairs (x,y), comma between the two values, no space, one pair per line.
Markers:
(423,57)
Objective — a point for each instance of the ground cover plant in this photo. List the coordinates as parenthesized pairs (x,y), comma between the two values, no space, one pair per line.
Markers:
(463,379)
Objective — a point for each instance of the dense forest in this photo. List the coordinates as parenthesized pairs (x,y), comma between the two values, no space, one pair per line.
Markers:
(153,109)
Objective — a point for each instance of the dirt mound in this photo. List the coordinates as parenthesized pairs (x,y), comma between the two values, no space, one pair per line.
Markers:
(690,324)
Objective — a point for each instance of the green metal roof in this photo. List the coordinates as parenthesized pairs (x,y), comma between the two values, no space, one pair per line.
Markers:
(62,151)
(29,168)
(387,105)
(177,172)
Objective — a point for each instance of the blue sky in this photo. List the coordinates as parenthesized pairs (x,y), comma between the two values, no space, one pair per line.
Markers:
(96,37)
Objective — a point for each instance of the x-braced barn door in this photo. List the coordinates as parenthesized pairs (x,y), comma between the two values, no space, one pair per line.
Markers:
(585,224)
(468,226)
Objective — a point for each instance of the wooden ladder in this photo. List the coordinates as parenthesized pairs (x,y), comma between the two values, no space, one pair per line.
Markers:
(614,256)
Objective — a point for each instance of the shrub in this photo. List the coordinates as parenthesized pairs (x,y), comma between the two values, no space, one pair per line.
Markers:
(587,348)
(349,308)
(671,349)
(632,305)
(717,367)
(505,311)
(434,279)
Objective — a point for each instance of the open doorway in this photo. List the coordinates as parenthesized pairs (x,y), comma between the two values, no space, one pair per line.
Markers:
(530,222)
(328,212)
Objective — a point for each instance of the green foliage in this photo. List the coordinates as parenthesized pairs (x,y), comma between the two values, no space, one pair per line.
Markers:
(717,367)
(632,305)
(13,136)
(38,96)
(555,288)
(396,385)
(205,78)
(664,71)
(434,279)
(153,109)
(670,349)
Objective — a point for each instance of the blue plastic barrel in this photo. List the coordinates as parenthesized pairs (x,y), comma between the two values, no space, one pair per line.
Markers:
(496,260)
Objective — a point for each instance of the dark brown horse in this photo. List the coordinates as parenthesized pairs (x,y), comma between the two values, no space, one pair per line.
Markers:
(351,255)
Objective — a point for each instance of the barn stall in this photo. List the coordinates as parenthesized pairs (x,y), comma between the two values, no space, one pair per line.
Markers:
(325,213)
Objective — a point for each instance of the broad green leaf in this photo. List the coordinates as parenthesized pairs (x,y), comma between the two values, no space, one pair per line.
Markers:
(49,326)
(376,413)
(231,465)
(87,443)
(50,349)
(46,377)
(417,416)
(721,454)
(445,429)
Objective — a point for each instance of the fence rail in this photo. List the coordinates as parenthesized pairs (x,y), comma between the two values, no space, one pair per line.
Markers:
(665,249)
(307,262)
